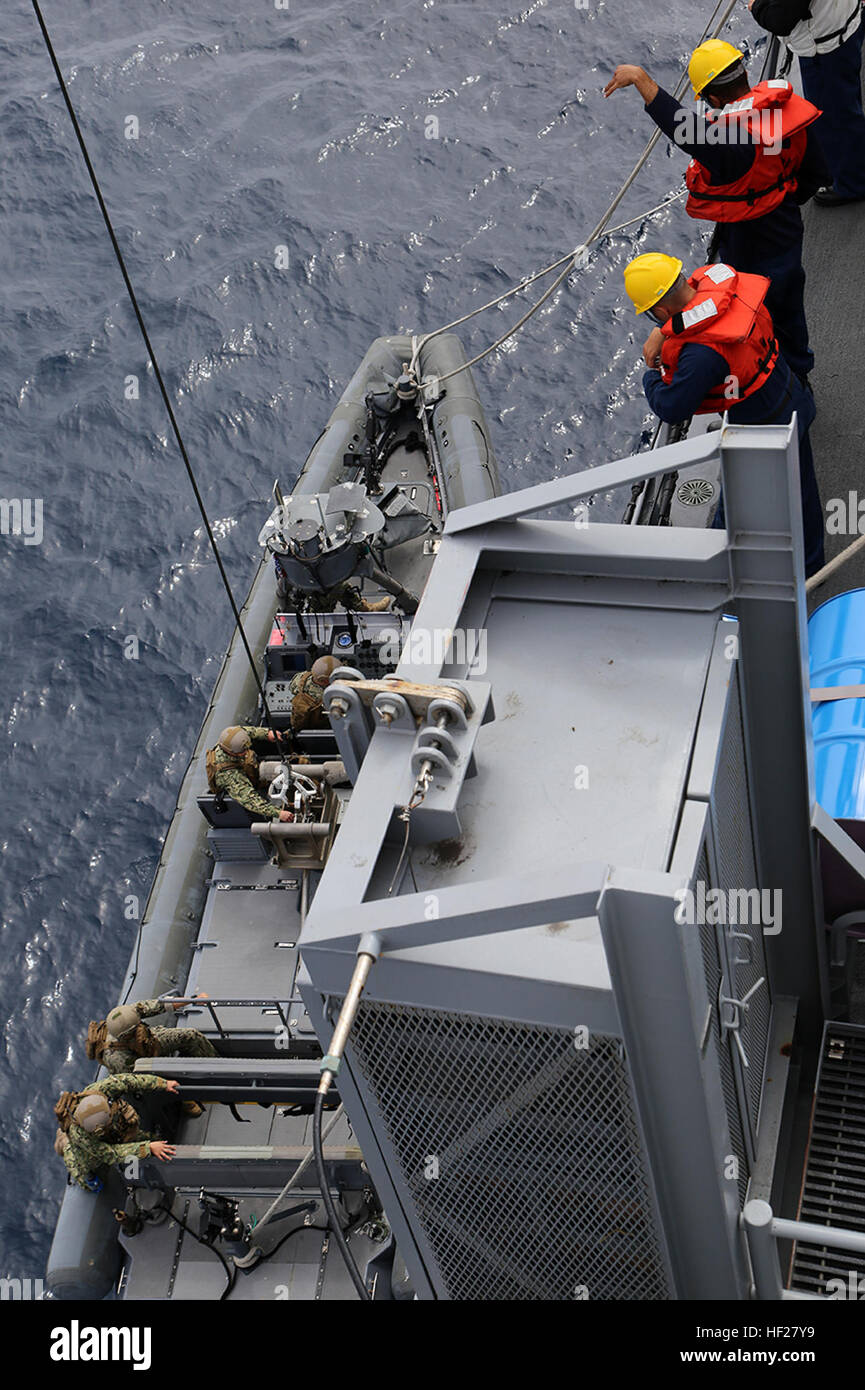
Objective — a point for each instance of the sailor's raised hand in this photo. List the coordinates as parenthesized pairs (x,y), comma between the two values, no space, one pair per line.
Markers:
(631,75)
(652,348)
(625,75)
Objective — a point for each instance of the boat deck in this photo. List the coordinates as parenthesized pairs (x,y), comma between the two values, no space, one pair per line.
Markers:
(167,1263)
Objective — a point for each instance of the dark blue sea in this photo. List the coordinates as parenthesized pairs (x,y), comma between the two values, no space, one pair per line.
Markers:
(258,127)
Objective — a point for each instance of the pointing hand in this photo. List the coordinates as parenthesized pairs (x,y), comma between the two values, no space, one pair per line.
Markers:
(625,75)
(630,75)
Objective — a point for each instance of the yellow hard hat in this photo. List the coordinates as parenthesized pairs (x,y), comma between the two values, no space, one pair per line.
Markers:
(648,277)
(708,60)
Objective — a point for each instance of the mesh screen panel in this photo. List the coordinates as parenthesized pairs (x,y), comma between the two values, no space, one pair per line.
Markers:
(520,1152)
(712,971)
(734,847)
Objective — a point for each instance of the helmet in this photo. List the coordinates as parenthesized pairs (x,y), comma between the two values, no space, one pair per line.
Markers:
(323,669)
(648,277)
(92,1113)
(234,740)
(710,59)
(121,1021)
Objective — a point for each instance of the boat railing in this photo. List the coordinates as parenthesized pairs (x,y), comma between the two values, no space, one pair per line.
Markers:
(280,1007)
(763,1230)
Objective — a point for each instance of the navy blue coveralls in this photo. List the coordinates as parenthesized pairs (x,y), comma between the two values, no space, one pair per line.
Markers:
(699,369)
(832,81)
(770,245)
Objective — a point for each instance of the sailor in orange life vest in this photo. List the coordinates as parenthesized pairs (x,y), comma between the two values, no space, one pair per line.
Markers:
(753,162)
(714,350)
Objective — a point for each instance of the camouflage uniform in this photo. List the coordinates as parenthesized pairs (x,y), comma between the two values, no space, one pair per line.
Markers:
(306,694)
(229,778)
(173,1042)
(85,1153)
(345,595)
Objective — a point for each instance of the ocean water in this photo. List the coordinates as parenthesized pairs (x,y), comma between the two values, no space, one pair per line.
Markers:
(415,157)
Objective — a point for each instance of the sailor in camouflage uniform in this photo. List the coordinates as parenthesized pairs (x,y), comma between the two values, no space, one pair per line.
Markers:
(307,693)
(346,594)
(232,767)
(128,1037)
(105,1129)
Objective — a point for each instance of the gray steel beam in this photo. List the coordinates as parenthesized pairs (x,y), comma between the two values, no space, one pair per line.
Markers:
(462,911)
(276,1071)
(620,473)
(761,490)
(647,952)
(232,1167)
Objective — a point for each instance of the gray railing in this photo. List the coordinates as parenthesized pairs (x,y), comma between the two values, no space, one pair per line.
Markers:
(277,1006)
(763,1230)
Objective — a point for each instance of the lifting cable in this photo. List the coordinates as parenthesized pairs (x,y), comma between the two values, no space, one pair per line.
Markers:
(575,260)
(152,355)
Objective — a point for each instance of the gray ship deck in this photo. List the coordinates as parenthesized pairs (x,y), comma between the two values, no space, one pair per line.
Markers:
(835,304)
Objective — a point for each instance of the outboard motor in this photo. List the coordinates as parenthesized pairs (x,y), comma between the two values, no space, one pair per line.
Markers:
(323,540)
(320,540)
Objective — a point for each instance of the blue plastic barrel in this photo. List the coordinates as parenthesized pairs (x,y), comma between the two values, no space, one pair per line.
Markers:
(836,633)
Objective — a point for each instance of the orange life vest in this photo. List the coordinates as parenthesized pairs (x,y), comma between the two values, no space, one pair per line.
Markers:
(727,313)
(773,173)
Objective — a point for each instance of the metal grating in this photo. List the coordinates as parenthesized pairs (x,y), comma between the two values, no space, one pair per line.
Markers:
(712,972)
(737,869)
(237,846)
(520,1152)
(833,1193)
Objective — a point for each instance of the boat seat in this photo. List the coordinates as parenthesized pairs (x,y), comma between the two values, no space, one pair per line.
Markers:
(229,837)
(227,815)
(318,744)
(238,1167)
(234,1080)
